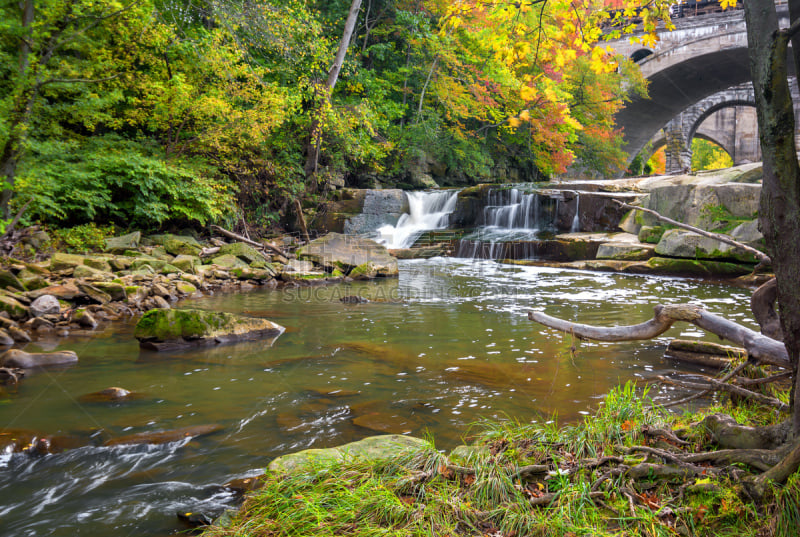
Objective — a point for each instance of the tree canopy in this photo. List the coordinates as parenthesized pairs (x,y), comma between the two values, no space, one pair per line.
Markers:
(152,111)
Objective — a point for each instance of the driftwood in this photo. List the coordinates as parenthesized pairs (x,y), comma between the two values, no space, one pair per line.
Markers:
(759,348)
(302,219)
(240,238)
(763,258)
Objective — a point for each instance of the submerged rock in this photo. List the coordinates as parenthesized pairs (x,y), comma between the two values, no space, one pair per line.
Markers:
(369,449)
(114,394)
(171,329)
(25,360)
(384,422)
(164,437)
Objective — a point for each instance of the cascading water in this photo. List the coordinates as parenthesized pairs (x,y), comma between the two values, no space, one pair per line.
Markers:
(576,221)
(426,211)
(511,219)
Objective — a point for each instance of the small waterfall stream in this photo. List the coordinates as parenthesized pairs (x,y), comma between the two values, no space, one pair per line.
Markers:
(427,210)
(511,219)
(576,221)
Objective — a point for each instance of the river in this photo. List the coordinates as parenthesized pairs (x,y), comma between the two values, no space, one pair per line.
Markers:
(443,346)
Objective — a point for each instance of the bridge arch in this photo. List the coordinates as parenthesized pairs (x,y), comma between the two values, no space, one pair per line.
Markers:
(640,55)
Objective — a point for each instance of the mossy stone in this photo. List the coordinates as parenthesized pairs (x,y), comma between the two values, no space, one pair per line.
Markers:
(697,267)
(243,251)
(186,263)
(181,246)
(229,261)
(185,287)
(99,263)
(13,307)
(651,234)
(113,289)
(7,279)
(61,261)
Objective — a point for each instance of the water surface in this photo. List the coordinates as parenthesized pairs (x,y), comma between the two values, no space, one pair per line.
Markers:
(444,345)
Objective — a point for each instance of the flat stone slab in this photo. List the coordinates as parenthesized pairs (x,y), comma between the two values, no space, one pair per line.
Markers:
(34,360)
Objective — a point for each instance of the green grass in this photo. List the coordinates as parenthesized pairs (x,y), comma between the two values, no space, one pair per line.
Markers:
(420,495)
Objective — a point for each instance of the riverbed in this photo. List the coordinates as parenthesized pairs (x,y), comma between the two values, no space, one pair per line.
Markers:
(435,351)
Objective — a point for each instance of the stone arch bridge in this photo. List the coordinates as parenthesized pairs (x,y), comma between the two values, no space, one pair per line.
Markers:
(700,68)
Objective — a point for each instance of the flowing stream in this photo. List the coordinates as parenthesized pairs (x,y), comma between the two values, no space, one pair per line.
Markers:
(446,344)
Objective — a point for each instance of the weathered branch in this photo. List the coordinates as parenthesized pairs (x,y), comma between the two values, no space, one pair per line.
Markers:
(759,347)
(761,256)
(730,388)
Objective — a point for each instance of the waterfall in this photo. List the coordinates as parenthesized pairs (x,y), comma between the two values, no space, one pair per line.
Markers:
(426,211)
(576,221)
(511,221)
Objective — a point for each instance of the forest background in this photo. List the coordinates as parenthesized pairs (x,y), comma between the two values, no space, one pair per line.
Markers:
(164,112)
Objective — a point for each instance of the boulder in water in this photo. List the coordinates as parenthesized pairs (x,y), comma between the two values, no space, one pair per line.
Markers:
(33,360)
(114,394)
(170,329)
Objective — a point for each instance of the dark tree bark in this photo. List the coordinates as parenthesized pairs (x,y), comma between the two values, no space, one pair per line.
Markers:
(779,212)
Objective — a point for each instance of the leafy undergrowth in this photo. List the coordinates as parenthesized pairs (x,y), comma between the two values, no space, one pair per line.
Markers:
(609,475)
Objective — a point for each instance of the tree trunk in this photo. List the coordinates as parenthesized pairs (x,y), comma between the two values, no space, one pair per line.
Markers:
(12,149)
(312,150)
(779,211)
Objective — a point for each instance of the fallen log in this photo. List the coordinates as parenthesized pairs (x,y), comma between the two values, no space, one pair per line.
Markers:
(759,348)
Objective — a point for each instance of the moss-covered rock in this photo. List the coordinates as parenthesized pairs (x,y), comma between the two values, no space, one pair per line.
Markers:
(89,273)
(625,251)
(651,234)
(186,263)
(13,307)
(370,449)
(154,264)
(99,263)
(7,279)
(61,261)
(185,288)
(180,328)
(228,261)
(175,245)
(243,251)
(31,280)
(682,243)
(694,267)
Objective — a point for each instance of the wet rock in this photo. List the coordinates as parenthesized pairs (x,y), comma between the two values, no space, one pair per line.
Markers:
(164,437)
(114,394)
(337,251)
(25,360)
(5,338)
(123,242)
(83,318)
(45,305)
(180,328)
(93,293)
(371,449)
(159,290)
(353,299)
(195,519)
(40,324)
(194,279)
(384,422)
(18,335)
(243,251)
(7,279)
(13,307)
(689,267)
(244,485)
(333,392)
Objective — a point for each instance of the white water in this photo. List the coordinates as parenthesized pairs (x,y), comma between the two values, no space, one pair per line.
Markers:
(576,222)
(427,211)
